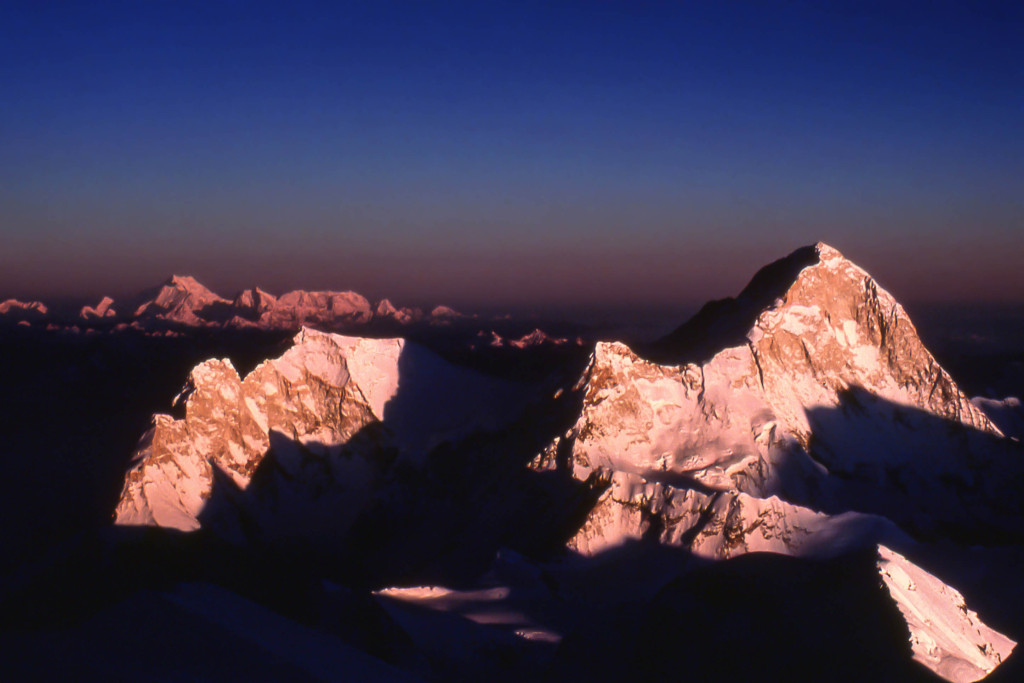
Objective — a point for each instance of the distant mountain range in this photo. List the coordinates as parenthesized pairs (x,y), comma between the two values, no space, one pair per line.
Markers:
(183,301)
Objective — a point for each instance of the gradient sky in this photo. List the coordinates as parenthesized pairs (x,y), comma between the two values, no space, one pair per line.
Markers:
(489,154)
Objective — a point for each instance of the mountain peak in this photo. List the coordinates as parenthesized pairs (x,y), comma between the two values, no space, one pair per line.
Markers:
(104,309)
(810,389)
(815,314)
(186,283)
(725,322)
(826,251)
(179,299)
(255,301)
(22,310)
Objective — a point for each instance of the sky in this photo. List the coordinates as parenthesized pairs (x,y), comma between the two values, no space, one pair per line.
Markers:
(509,154)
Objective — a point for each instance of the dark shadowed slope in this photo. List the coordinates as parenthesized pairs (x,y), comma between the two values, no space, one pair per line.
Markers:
(723,323)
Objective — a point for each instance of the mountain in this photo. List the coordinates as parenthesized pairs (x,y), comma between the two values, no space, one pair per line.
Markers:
(254,304)
(804,417)
(325,390)
(297,308)
(385,310)
(103,309)
(17,311)
(829,401)
(787,487)
(182,302)
(181,299)
(323,424)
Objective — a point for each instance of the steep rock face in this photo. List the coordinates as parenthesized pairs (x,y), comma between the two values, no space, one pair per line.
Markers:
(725,322)
(320,393)
(720,525)
(836,325)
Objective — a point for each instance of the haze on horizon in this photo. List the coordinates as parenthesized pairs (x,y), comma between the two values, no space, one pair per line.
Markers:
(509,153)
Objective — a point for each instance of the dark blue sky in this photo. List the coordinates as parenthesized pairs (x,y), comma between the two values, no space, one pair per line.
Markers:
(509,154)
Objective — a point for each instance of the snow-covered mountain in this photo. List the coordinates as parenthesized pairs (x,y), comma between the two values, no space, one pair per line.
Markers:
(312,421)
(18,311)
(547,521)
(103,309)
(323,391)
(183,302)
(297,308)
(825,428)
(181,299)
(829,401)
(806,418)
(386,310)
